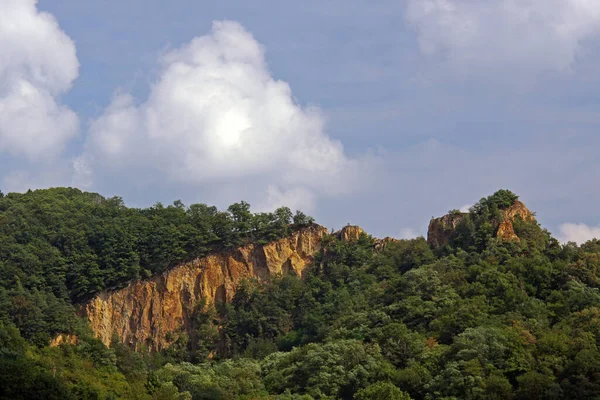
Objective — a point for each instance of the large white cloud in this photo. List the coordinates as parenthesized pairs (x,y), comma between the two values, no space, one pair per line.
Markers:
(215,114)
(578,233)
(37,63)
(524,36)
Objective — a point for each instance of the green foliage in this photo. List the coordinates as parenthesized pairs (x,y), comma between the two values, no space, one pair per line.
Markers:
(336,369)
(500,200)
(75,244)
(481,319)
(381,391)
(475,231)
(227,380)
(62,245)
(491,324)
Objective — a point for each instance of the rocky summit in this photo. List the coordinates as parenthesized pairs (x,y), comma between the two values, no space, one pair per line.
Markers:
(444,229)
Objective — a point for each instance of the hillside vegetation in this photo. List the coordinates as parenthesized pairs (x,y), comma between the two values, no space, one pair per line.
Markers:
(480,318)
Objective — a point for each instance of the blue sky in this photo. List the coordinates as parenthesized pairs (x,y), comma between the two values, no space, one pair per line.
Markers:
(381,114)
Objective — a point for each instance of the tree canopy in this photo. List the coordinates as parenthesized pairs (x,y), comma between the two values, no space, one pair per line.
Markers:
(480,319)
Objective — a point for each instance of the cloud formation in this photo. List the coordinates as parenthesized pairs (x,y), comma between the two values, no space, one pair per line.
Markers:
(578,233)
(216,114)
(465,208)
(37,63)
(530,36)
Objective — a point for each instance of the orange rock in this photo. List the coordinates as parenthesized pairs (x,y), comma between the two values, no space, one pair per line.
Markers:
(506,230)
(442,230)
(145,312)
(64,339)
(349,233)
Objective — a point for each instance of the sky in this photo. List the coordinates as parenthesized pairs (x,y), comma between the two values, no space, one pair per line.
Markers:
(381,114)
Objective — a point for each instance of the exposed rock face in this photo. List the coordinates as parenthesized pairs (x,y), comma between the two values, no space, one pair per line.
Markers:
(442,229)
(145,312)
(64,339)
(381,244)
(350,233)
(506,230)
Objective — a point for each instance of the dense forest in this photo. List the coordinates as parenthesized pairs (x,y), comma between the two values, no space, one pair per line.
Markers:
(479,318)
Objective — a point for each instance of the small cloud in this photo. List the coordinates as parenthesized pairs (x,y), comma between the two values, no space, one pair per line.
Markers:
(408,233)
(578,233)
(82,173)
(295,198)
(465,208)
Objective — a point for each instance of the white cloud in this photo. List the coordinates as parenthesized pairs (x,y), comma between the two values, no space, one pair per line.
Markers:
(407,233)
(21,180)
(465,208)
(523,36)
(216,114)
(37,63)
(295,198)
(82,172)
(578,233)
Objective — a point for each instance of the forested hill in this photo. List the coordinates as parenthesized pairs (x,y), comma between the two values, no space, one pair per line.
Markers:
(75,244)
(479,314)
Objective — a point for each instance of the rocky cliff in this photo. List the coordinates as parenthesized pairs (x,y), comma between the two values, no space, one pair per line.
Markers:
(442,230)
(506,230)
(349,233)
(147,312)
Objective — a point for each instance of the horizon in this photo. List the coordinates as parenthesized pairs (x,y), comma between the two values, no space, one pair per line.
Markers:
(575,231)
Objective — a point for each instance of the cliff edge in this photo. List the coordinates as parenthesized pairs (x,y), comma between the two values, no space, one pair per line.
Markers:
(147,312)
(442,230)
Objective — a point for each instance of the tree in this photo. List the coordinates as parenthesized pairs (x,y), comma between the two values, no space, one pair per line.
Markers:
(381,391)
(242,217)
(534,385)
(284,216)
(301,219)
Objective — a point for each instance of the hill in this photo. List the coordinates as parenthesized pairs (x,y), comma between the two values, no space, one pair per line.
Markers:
(490,306)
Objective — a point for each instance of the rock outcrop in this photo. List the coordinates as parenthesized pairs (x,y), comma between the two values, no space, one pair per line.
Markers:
(506,230)
(382,244)
(148,312)
(349,233)
(442,230)
(64,338)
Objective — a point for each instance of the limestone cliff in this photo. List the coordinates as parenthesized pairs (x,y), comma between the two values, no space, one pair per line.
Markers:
(442,230)
(146,312)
